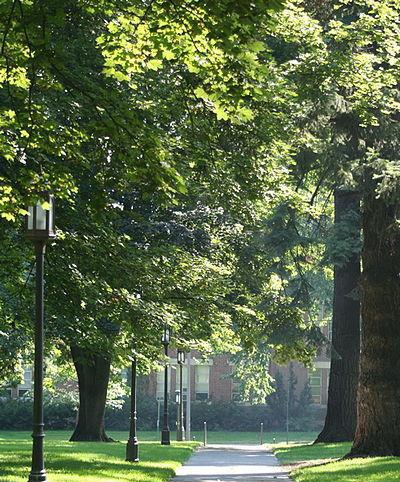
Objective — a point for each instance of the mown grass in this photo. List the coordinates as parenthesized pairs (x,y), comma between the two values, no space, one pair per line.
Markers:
(304,453)
(216,437)
(90,462)
(254,437)
(100,462)
(384,469)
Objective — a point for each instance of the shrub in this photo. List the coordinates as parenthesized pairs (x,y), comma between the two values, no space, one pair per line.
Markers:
(17,414)
(220,415)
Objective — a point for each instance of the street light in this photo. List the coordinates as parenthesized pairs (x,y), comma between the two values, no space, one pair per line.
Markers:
(132,447)
(39,229)
(180,434)
(165,433)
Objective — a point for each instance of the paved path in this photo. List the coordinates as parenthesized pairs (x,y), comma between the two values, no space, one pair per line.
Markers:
(232,463)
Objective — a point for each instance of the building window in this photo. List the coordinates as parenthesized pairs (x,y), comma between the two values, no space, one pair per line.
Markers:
(27,382)
(160,384)
(202,382)
(315,379)
(236,390)
(22,392)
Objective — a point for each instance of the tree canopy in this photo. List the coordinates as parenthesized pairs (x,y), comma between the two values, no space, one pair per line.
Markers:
(193,148)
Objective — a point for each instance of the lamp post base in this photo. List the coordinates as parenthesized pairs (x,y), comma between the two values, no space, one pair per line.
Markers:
(165,437)
(38,476)
(132,450)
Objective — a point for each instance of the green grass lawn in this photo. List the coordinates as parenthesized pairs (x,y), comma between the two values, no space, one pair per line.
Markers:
(101,462)
(304,453)
(153,436)
(278,439)
(90,462)
(385,469)
(254,437)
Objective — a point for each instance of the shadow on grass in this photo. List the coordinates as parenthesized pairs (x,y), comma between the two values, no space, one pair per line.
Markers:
(385,469)
(302,453)
(99,461)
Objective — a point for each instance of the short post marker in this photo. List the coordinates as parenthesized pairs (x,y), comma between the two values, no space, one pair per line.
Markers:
(205,433)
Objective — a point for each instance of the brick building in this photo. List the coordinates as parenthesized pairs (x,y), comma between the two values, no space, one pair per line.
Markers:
(20,390)
(212,379)
(209,379)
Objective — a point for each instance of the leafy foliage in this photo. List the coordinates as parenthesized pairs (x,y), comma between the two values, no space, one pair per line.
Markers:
(193,147)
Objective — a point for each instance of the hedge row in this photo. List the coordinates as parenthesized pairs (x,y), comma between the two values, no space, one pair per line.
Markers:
(17,415)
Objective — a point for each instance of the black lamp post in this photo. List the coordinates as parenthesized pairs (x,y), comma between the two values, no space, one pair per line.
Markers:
(165,433)
(180,434)
(132,447)
(39,229)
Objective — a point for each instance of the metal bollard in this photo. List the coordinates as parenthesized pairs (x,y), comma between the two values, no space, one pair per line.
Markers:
(205,434)
(261,433)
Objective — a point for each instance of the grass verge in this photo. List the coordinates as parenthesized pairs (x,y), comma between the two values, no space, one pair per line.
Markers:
(298,454)
(99,462)
(90,462)
(213,436)
(383,469)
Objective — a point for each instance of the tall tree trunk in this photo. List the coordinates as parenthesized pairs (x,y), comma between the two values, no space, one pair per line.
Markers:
(93,376)
(378,424)
(341,416)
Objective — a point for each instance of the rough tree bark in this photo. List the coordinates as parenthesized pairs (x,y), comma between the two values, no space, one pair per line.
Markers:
(93,376)
(341,416)
(378,424)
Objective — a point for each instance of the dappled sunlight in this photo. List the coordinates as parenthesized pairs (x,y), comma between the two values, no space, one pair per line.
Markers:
(90,461)
(320,463)
(385,469)
(301,453)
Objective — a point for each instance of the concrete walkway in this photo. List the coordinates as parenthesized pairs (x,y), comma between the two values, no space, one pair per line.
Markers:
(232,463)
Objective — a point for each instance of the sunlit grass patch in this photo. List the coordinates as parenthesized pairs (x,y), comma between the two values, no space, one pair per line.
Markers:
(303,453)
(90,462)
(384,469)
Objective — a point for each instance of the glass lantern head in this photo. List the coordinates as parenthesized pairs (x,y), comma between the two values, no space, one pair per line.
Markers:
(181,356)
(166,336)
(40,220)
